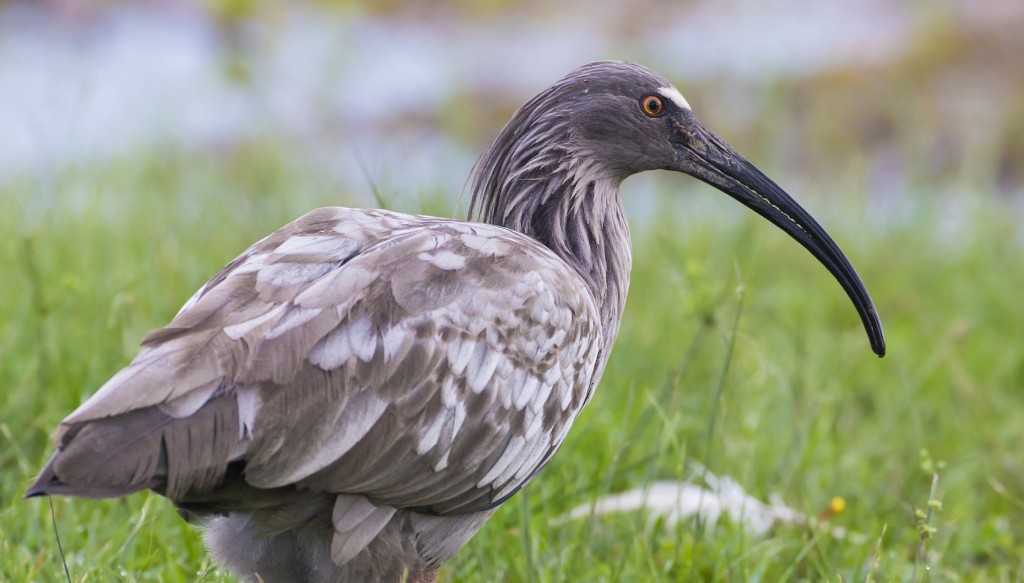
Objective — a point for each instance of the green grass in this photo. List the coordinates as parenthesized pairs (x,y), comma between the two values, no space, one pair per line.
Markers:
(94,257)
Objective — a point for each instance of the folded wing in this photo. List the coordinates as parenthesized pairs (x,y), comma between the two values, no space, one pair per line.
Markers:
(422,363)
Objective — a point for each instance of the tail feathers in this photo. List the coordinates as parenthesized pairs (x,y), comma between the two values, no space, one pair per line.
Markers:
(141,449)
(48,484)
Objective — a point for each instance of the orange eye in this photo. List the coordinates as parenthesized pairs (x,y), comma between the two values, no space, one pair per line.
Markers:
(652,105)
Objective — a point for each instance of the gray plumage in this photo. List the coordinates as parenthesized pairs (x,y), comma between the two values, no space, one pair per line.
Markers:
(353,396)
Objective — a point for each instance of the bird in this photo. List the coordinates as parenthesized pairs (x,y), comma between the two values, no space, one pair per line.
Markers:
(354,396)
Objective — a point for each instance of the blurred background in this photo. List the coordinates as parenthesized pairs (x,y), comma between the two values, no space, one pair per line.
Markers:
(145,144)
(898,95)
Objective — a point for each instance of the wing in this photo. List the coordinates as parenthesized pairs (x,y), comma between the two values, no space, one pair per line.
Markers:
(423,363)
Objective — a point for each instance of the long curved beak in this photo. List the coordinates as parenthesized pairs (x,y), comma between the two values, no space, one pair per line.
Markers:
(709,158)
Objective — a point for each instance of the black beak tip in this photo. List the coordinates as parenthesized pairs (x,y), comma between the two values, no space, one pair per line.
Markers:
(878,345)
(875,334)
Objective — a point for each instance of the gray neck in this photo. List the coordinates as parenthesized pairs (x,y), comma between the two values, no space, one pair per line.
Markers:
(567,204)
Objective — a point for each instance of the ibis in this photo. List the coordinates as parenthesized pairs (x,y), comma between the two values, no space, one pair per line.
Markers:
(352,397)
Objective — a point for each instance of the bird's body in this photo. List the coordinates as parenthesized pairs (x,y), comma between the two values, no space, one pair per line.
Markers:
(395,363)
(352,397)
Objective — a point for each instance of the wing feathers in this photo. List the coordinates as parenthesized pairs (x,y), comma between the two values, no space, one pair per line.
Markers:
(197,448)
(357,521)
(304,436)
(423,363)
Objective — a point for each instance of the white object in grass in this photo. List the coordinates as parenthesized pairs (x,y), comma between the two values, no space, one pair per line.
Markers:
(675,501)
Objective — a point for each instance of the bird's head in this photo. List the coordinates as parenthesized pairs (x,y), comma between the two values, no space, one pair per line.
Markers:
(609,120)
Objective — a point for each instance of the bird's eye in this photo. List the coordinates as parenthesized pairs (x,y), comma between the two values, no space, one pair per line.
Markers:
(652,105)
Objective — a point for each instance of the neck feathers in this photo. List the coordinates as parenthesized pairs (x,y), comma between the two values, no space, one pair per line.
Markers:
(534,181)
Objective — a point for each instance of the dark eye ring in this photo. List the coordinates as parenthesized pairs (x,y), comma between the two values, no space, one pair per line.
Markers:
(652,105)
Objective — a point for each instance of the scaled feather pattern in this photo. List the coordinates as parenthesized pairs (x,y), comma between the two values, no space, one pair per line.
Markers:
(425,365)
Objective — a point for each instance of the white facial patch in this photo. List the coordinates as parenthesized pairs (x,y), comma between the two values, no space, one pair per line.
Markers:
(676,97)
